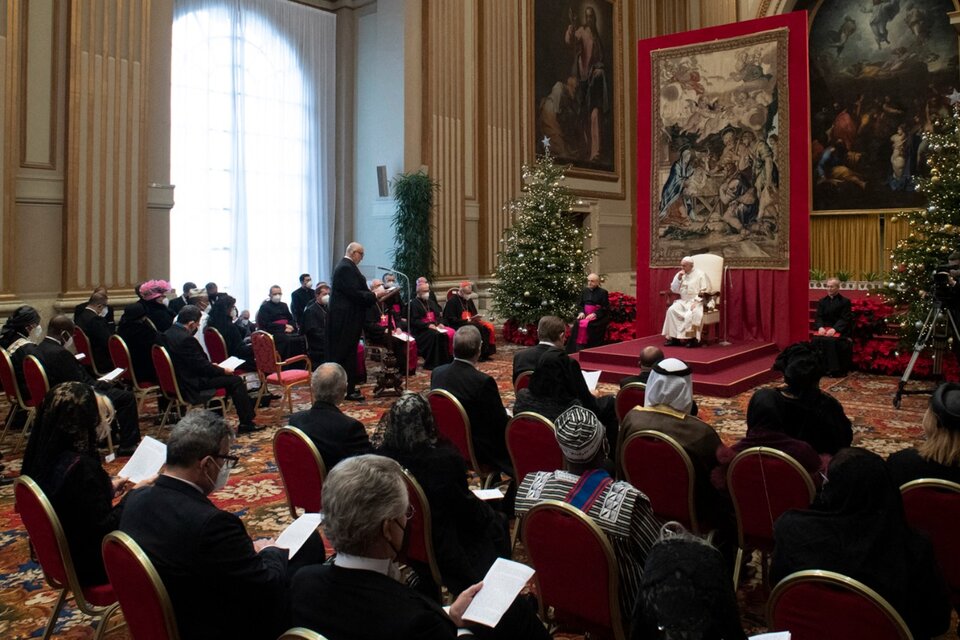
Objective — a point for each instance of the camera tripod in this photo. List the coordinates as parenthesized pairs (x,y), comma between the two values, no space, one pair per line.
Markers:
(939,346)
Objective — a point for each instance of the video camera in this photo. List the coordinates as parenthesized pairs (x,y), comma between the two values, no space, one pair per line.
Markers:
(943,290)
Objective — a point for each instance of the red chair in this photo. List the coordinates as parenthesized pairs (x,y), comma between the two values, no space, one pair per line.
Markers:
(167,377)
(17,403)
(120,354)
(933,507)
(763,483)
(82,343)
(216,345)
(532,445)
(823,605)
(454,424)
(630,396)
(656,464)
(37,387)
(301,469)
(551,529)
(522,381)
(53,554)
(270,368)
(418,540)
(143,598)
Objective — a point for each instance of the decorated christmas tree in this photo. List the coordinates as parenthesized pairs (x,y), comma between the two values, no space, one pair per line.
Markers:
(542,259)
(934,230)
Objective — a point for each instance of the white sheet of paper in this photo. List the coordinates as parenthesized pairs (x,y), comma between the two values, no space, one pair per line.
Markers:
(232,362)
(80,356)
(488,494)
(297,533)
(775,635)
(402,336)
(444,331)
(592,378)
(113,375)
(146,460)
(501,585)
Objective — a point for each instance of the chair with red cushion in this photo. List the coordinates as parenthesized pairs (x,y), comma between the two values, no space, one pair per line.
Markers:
(37,387)
(763,483)
(14,397)
(167,377)
(532,444)
(143,597)
(823,605)
(630,396)
(271,370)
(418,540)
(82,343)
(120,354)
(301,469)
(933,507)
(522,381)
(454,424)
(216,345)
(657,465)
(569,551)
(53,554)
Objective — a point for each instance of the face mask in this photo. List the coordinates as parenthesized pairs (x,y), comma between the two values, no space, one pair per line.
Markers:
(166,302)
(68,343)
(104,312)
(306,285)
(424,296)
(325,299)
(36,334)
(275,298)
(222,476)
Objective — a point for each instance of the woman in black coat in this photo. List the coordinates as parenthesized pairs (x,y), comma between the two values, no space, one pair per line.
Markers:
(221,319)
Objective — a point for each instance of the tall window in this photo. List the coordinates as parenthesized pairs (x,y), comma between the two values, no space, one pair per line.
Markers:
(251,113)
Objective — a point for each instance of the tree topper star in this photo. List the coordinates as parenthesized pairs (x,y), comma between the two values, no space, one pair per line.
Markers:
(546,141)
(954,97)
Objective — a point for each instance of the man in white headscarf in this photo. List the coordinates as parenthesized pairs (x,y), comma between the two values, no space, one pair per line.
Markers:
(667,404)
(685,315)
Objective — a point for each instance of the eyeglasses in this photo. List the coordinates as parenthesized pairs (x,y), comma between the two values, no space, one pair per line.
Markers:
(231,461)
(409,512)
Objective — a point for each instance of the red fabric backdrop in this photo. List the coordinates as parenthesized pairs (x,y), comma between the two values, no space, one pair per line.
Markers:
(761,304)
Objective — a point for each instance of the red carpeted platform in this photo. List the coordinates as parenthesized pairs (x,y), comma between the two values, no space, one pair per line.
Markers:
(720,371)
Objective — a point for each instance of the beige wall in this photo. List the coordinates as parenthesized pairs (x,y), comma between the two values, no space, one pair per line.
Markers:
(85,130)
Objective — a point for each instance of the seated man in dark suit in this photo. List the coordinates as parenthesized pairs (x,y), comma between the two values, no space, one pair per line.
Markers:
(60,366)
(358,595)
(649,356)
(551,331)
(834,325)
(219,585)
(300,298)
(336,434)
(180,302)
(313,326)
(98,331)
(478,394)
(197,376)
(77,310)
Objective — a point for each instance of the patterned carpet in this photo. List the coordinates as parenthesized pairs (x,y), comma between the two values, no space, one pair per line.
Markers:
(256,493)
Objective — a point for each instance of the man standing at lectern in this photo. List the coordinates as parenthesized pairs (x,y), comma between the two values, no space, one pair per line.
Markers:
(685,315)
(349,300)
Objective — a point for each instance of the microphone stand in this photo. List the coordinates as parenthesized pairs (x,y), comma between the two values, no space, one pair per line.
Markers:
(723,302)
(409,332)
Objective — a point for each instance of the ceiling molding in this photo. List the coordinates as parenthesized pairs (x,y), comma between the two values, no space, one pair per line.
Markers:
(336,5)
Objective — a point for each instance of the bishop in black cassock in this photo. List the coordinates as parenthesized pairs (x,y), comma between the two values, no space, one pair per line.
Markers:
(458,312)
(833,323)
(593,317)
(425,317)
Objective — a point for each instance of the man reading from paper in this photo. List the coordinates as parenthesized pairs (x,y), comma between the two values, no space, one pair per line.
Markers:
(684,317)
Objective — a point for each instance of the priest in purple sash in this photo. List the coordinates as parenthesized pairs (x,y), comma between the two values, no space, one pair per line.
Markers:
(590,326)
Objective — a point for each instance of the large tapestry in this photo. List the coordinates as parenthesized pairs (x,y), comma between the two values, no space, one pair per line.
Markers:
(879,75)
(719,136)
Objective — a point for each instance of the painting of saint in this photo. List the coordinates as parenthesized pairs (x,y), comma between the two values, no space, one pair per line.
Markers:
(718,152)
(574,76)
(880,71)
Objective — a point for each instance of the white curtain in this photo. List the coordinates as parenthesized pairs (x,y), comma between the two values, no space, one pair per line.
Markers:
(252,145)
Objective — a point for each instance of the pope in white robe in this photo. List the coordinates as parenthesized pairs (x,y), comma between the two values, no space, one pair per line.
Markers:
(685,315)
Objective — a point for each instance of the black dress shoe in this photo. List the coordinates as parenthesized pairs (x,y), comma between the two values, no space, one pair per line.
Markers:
(355,396)
(672,342)
(249,428)
(692,344)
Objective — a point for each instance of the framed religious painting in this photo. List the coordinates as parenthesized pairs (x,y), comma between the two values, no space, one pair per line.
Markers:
(880,73)
(719,132)
(576,79)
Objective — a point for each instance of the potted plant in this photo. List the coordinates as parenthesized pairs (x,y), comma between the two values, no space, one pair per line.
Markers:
(817,276)
(844,278)
(871,280)
(412,252)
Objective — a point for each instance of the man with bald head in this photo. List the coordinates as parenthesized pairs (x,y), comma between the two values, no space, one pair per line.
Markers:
(684,318)
(590,326)
(349,299)
(649,356)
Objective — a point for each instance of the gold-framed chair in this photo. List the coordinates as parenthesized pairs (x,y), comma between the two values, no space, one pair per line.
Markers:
(522,381)
(302,470)
(300,633)
(271,370)
(53,554)
(120,354)
(825,605)
(628,397)
(8,378)
(454,424)
(167,377)
(932,506)
(418,541)
(143,597)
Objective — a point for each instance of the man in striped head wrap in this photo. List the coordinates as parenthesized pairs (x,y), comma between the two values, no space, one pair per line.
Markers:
(622,512)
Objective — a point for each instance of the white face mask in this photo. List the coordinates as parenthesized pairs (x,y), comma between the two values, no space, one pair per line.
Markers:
(104,312)
(68,344)
(36,334)
(307,284)
(166,302)
(275,298)
(222,476)
(424,296)
(325,299)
